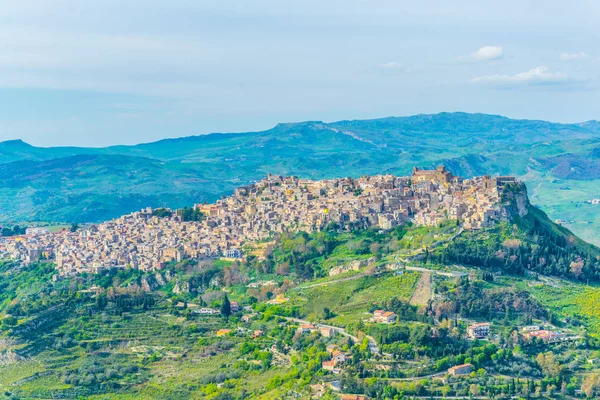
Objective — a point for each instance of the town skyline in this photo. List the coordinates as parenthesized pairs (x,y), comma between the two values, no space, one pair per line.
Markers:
(149,239)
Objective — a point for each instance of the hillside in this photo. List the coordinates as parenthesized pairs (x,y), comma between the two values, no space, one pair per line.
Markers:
(559,162)
(124,333)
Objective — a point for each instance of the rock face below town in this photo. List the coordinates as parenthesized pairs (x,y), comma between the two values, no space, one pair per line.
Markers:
(352,266)
(150,283)
(9,357)
(515,202)
(181,287)
(159,279)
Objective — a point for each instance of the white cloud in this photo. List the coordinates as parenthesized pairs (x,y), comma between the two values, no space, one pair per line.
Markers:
(539,75)
(574,56)
(390,65)
(486,53)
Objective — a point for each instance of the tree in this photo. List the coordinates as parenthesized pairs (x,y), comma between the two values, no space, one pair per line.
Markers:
(364,346)
(419,335)
(9,321)
(577,267)
(190,214)
(74,227)
(549,365)
(446,389)
(162,212)
(101,301)
(590,385)
(226,308)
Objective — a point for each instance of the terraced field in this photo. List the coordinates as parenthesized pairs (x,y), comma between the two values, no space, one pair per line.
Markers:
(351,298)
(154,353)
(568,299)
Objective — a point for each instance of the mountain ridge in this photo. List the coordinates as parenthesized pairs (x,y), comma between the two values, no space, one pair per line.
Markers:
(595,125)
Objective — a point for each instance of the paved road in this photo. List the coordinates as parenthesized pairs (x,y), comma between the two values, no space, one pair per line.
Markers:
(372,343)
(350,278)
(414,378)
(415,255)
(451,274)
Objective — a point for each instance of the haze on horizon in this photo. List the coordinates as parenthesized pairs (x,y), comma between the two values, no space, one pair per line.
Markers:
(110,72)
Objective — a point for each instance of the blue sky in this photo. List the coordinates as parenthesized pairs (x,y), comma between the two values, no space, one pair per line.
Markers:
(101,72)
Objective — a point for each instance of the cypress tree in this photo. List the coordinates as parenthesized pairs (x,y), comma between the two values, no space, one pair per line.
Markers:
(226,308)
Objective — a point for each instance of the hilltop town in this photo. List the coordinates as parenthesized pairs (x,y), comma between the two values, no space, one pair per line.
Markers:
(390,281)
(146,240)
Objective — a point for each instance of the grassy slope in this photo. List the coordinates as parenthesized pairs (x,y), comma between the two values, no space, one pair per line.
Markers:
(351,299)
(569,299)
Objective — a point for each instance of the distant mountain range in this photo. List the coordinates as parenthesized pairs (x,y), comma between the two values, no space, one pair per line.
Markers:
(560,162)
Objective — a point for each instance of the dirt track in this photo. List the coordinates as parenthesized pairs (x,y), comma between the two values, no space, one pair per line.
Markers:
(422,292)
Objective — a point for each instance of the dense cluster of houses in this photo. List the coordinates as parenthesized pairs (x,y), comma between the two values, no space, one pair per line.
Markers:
(146,241)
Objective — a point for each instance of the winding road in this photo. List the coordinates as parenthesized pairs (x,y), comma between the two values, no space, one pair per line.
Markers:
(373,348)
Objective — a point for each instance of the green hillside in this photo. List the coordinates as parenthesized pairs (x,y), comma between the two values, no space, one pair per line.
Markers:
(559,162)
(128,334)
(531,243)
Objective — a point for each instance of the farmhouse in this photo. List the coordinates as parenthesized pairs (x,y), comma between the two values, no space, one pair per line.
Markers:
(246,318)
(327,331)
(386,317)
(235,307)
(542,334)
(331,348)
(329,365)
(479,331)
(338,356)
(462,369)
(206,311)
(531,328)
(307,328)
